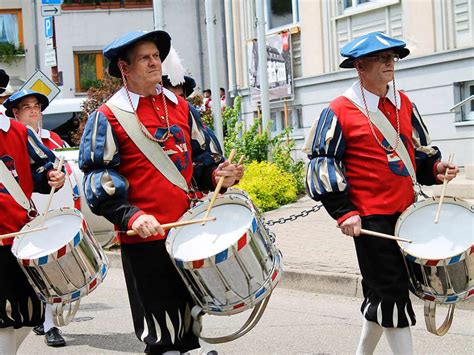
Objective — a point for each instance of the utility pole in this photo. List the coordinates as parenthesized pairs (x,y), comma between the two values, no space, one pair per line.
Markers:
(262,64)
(158,15)
(211,25)
(54,69)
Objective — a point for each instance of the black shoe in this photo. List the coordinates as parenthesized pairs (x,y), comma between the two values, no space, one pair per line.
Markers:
(38,330)
(54,338)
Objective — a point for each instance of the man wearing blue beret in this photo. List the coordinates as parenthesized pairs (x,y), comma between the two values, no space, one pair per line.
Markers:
(366,179)
(132,189)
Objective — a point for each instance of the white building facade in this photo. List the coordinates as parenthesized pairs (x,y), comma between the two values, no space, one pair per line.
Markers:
(438,74)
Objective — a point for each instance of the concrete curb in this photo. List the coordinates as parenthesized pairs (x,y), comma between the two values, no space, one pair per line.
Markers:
(315,282)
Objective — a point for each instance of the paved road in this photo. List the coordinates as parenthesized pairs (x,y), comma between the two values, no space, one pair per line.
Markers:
(295,322)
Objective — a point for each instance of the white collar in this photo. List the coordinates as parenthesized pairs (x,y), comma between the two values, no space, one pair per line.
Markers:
(45,134)
(4,123)
(372,100)
(120,98)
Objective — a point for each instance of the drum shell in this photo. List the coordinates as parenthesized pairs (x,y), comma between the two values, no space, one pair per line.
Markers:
(70,272)
(446,280)
(239,277)
(72,195)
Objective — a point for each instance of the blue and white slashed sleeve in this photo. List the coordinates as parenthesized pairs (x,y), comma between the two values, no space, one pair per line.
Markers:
(42,160)
(206,151)
(105,189)
(426,156)
(325,175)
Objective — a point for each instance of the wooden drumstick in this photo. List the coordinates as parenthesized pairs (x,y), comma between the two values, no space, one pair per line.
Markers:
(178,224)
(53,189)
(17,234)
(241,160)
(443,191)
(218,187)
(383,235)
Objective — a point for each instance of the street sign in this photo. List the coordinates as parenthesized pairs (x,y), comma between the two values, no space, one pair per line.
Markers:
(50,10)
(50,58)
(49,44)
(51,2)
(48,27)
(39,82)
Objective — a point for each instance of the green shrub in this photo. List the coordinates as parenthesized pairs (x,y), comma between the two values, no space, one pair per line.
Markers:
(268,185)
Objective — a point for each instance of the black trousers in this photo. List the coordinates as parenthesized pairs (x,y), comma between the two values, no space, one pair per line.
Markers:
(384,277)
(19,304)
(159,300)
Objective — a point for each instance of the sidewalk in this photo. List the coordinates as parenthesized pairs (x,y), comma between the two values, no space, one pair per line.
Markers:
(317,257)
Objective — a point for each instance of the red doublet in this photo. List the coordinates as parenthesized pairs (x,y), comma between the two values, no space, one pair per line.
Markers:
(377,184)
(14,153)
(149,190)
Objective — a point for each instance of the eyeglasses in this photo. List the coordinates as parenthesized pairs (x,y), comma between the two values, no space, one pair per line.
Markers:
(385,58)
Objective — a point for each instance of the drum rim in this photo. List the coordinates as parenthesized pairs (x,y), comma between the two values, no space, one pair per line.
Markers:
(186,216)
(54,213)
(429,201)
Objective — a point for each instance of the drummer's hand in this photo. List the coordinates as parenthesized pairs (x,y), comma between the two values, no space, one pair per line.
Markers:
(146,226)
(453,170)
(56,178)
(351,226)
(239,172)
(229,172)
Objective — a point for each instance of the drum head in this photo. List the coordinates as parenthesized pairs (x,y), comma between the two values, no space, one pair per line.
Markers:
(197,241)
(61,229)
(451,236)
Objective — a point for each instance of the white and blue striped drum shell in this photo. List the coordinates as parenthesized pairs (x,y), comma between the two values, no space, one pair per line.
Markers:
(440,260)
(231,264)
(63,262)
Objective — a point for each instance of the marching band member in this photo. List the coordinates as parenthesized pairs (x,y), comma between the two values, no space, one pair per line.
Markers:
(363,183)
(32,166)
(122,185)
(26,107)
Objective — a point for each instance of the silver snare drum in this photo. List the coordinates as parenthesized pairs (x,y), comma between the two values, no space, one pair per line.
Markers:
(440,261)
(231,264)
(64,262)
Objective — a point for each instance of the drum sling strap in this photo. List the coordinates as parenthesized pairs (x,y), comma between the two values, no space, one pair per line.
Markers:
(389,133)
(151,150)
(14,188)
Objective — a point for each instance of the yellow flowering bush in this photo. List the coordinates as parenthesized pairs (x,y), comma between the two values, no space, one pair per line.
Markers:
(268,185)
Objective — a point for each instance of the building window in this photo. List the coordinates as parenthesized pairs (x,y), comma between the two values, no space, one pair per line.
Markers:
(89,69)
(295,119)
(11,27)
(466,102)
(281,13)
(104,4)
(353,3)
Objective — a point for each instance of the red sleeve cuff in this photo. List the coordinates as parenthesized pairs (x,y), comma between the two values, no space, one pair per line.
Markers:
(435,172)
(134,218)
(346,216)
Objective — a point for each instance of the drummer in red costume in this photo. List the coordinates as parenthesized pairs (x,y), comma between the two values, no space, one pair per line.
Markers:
(26,107)
(125,187)
(363,182)
(32,166)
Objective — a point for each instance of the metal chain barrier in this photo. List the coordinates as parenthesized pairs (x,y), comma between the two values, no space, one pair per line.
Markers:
(293,217)
(282,220)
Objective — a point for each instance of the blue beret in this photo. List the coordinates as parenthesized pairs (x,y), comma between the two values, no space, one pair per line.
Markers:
(115,50)
(369,44)
(15,99)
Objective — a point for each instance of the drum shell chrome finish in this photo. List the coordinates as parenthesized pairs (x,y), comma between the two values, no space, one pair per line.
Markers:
(441,280)
(70,272)
(238,277)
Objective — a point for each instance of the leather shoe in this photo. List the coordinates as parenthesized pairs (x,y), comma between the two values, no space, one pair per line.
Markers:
(54,338)
(39,330)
